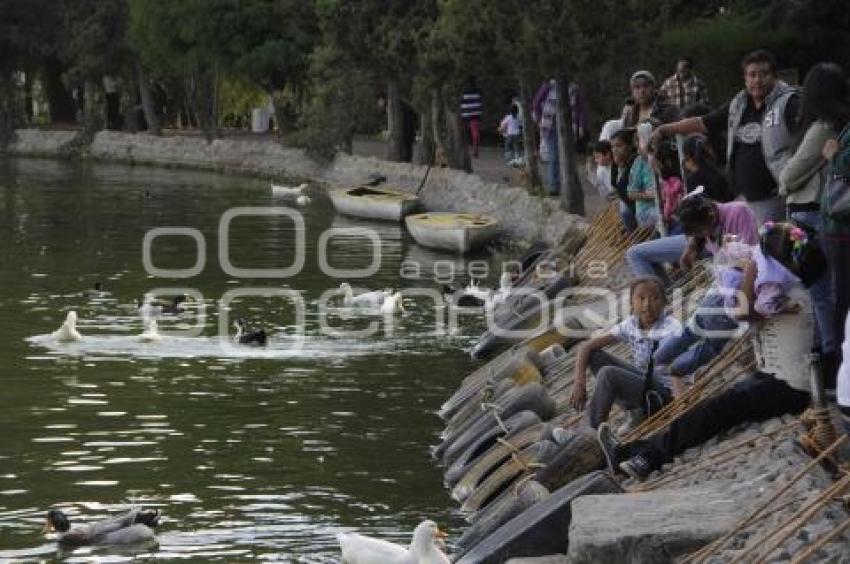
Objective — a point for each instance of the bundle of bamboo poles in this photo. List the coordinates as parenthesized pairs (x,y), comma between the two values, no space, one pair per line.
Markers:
(797,519)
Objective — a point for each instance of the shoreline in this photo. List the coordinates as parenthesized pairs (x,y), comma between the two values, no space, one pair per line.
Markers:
(522,217)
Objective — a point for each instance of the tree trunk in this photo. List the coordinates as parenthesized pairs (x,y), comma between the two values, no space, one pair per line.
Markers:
(395,123)
(572,195)
(151,117)
(532,165)
(279,106)
(59,98)
(427,148)
(202,102)
(438,128)
(94,107)
(457,154)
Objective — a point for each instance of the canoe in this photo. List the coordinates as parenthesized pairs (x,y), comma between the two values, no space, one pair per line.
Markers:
(457,232)
(374,202)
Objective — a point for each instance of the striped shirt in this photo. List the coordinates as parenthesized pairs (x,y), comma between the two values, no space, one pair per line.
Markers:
(470,106)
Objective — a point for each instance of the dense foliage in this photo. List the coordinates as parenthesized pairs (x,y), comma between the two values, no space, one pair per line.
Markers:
(325,64)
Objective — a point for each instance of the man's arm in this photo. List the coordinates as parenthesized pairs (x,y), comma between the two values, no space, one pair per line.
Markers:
(682,127)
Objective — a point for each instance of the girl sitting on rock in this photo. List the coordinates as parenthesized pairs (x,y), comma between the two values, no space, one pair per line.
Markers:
(715,321)
(616,381)
(785,254)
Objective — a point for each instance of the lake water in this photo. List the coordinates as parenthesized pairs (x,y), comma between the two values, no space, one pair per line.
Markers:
(249,453)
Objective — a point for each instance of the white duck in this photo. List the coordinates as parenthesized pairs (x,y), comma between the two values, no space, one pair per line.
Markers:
(303,200)
(392,304)
(68,333)
(151,332)
(423,549)
(373,299)
(504,290)
(280,191)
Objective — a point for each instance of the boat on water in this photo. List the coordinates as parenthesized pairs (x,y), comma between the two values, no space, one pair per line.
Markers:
(456,232)
(374,202)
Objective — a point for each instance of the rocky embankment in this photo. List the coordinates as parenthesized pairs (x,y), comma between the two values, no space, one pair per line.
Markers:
(522,217)
(526,471)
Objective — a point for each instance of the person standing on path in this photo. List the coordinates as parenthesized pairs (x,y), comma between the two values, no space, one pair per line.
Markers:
(761,124)
(684,89)
(470,112)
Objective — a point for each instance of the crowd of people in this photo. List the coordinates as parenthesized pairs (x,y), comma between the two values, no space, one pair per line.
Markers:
(759,186)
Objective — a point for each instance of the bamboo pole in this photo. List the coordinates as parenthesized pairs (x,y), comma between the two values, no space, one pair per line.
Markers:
(701,555)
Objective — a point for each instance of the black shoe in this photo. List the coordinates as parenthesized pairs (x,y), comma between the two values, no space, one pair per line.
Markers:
(610,445)
(637,467)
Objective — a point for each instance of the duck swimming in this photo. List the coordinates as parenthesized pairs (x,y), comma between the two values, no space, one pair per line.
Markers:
(281,191)
(68,333)
(96,291)
(476,296)
(135,526)
(247,336)
(373,299)
(423,549)
(149,307)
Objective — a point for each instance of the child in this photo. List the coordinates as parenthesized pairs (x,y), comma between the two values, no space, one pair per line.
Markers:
(701,170)
(784,254)
(510,129)
(615,380)
(642,188)
(600,178)
(666,164)
(622,152)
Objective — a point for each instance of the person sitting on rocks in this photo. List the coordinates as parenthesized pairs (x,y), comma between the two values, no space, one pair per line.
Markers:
(616,381)
(704,224)
(785,251)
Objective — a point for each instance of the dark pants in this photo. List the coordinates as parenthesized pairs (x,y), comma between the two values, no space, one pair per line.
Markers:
(838,255)
(758,397)
(621,383)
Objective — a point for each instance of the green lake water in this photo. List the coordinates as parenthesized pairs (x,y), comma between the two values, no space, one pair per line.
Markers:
(249,453)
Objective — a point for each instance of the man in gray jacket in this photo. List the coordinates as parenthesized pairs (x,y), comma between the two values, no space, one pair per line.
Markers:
(760,122)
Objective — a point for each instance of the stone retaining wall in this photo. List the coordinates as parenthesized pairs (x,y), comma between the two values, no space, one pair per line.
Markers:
(522,217)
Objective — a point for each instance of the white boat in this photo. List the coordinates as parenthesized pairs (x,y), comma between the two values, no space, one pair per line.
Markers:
(457,232)
(374,202)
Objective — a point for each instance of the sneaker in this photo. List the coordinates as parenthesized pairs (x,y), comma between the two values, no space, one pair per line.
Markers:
(637,467)
(610,445)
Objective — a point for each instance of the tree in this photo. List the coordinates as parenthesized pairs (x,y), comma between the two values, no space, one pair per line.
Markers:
(96,40)
(381,36)
(272,46)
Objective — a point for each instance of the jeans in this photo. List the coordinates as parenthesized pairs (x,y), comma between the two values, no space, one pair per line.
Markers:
(617,382)
(646,259)
(772,208)
(823,297)
(684,353)
(553,167)
(512,147)
(628,217)
(758,397)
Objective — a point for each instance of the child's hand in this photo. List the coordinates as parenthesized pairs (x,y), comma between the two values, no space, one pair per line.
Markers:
(579,396)
(743,263)
(829,149)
